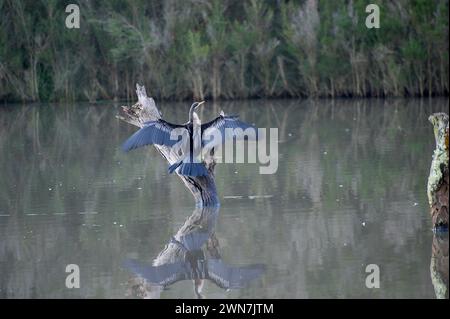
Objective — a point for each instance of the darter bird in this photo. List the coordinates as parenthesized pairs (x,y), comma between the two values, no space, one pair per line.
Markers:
(193,137)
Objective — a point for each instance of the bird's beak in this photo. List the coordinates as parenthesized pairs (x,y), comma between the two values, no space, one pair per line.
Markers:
(200,103)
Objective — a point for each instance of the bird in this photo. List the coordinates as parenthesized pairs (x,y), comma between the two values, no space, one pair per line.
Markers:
(193,136)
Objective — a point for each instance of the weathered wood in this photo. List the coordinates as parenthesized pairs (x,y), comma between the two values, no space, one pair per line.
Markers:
(202,219)
(439,265)
(203,188)
(438,180)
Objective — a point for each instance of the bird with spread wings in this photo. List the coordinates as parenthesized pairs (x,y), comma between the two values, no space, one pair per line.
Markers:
(191,138)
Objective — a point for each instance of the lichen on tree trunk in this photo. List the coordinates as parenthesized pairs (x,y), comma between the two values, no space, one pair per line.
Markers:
(438,180)
(203,188)
(439,265)
(438,197)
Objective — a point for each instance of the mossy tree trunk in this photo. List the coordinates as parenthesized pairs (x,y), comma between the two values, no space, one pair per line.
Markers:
(438,180)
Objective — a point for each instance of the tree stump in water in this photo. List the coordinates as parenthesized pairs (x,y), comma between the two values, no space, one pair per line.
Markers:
(438,180)
(203,188)
(195,242)
(439,265)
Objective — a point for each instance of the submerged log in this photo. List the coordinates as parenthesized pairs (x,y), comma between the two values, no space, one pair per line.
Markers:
(438,180)
(203,188)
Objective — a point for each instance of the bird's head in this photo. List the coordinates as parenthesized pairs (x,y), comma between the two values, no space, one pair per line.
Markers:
(195,105)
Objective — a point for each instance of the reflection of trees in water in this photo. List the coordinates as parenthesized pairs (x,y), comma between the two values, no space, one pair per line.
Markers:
(377,150)
(44,167)
(344,165)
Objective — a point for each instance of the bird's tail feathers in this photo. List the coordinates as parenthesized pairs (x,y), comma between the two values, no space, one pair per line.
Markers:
(173,167)
(193,169)
(189,169)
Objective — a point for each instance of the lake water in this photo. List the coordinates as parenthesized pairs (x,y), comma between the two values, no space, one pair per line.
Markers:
(350,191)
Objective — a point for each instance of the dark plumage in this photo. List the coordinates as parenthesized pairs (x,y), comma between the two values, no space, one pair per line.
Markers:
(161,132)
(154,132)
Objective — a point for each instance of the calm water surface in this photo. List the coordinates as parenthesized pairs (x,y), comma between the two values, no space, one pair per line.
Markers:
(350,191)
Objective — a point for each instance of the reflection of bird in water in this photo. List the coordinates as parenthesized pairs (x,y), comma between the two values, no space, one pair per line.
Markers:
(160,132)
(197,268)
(199,260)
(438,181)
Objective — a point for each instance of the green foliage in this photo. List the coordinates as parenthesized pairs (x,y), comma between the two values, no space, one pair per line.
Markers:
(222,49)
(198,52)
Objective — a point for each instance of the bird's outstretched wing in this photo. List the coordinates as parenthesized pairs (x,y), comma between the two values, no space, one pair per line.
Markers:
(231,277)
(163,275)
(154,132)
(229,127)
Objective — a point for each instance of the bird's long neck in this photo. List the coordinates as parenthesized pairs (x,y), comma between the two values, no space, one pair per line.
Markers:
(191,114)
(195,133)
